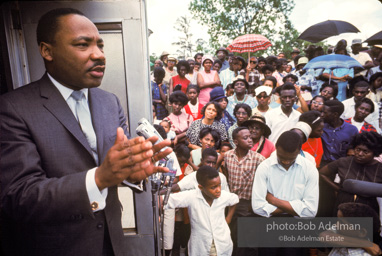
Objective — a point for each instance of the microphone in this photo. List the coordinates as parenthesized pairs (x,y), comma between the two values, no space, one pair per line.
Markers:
(362,188)
(171,174)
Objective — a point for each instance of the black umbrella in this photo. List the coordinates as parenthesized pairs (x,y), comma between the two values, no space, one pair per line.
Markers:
(375,39)
(323,30)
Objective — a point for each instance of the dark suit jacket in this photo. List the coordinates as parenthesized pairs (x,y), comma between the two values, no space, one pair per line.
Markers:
(44,160)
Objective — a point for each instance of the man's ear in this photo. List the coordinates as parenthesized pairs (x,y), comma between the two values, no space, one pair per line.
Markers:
(200,186)
(46,51)
(235,142)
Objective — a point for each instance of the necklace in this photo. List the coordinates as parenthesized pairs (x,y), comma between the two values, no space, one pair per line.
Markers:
(314,151)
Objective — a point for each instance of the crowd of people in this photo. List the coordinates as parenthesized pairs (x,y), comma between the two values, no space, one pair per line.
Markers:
(268,138)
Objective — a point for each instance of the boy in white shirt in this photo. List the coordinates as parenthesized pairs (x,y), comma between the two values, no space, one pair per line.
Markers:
(210,234)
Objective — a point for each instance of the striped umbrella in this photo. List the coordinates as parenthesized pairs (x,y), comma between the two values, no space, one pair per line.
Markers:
(249,43)
(332,61)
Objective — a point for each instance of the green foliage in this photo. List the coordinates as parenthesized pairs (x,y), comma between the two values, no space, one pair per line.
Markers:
(228,19)
(185,41)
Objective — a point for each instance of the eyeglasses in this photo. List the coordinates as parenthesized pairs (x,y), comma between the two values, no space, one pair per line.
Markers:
(318,103)
(253,62)
(261,97)
(171,61)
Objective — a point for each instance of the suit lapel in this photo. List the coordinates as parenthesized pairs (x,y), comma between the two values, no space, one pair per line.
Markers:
(56,104)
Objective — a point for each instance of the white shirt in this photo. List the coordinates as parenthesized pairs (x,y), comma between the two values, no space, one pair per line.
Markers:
(94,194)
(298,185)
(278,122)
(349,111)
(207,222)
(189,182)
(362,58)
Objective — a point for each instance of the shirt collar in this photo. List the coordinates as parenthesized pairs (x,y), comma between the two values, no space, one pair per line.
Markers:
(273,159)
(65,91)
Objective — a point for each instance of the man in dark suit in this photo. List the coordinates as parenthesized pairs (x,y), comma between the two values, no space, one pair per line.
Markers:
(59,191)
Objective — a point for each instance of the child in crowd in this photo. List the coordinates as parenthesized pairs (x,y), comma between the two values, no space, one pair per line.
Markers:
(193,106)
(224,147)
(171,135)
(210,234)
(180,121)
(159,93)
(209,158)
(208,138)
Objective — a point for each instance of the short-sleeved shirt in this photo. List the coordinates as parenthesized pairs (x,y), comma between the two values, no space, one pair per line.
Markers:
(161,111)
(335,141)
(241,173)
(232,102)
(180,123)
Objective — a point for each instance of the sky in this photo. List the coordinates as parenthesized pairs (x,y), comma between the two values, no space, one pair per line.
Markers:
(365,15)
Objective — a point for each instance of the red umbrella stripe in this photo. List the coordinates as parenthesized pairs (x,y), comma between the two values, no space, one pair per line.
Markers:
(249,43)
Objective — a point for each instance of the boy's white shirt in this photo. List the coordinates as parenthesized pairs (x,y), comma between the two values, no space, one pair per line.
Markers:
(207,222)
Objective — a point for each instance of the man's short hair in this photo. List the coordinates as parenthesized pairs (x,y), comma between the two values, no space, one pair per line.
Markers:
(206,173)
(48,25)
(361,84)
(294,77)
(289,141)
(335,106)
(209,152)
(235,132)
(198,54)
(193,86)
(287,86)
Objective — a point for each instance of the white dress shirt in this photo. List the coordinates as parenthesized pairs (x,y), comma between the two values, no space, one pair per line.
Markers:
(298,185)
(278,122)
(94,194)
(349,111)
(207,222)
(189,182)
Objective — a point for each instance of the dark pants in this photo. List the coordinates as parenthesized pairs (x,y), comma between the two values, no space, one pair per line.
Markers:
(243,209)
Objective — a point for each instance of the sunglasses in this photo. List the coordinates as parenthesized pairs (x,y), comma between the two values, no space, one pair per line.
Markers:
(262,97)
(253,62)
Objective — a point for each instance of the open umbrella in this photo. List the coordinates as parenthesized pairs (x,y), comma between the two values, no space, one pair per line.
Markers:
(332,61)
(375,39)
(249,43)
(325,29)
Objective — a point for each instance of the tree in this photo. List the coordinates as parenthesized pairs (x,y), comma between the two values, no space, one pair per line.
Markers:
(185,41)
(228,19)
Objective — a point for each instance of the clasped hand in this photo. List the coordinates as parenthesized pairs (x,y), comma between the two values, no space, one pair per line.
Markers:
(131,160)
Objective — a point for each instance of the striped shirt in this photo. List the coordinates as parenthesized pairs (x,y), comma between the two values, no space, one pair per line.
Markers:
(241,173)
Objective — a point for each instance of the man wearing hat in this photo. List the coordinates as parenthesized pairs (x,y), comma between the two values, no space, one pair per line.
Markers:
(222,53)
(362,57)
(240,86)
(293,54)
(170,69)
